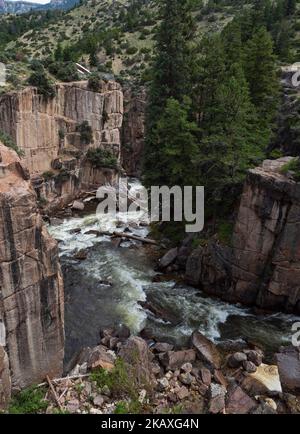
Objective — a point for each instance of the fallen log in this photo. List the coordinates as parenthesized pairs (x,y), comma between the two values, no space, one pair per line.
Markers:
(134,237)
(54,393)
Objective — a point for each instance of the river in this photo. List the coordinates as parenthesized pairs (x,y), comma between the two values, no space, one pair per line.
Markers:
(107,288)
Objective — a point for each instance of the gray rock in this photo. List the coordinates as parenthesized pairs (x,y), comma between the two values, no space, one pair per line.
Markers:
(249,366)
(255,357)
(162,384)
(168,258)
(288,362)
(162,347)
(236,360)
(186,378)
(173,360)
(205,376)
(98,401)
(238,402)
(187,367)
(206,350)
(78,205)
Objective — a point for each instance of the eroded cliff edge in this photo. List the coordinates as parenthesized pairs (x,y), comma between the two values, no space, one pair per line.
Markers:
(31,287)
(262,265)
(49,133)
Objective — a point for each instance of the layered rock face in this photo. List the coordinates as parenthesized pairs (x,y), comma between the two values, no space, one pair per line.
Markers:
(31,288)
(48,133)
(263,266)
(43,128)
(133,132)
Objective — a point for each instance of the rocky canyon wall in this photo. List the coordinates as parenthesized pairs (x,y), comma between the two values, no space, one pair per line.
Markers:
(133,131)
(31,288)
(262,266)
(45,128)
(48,133)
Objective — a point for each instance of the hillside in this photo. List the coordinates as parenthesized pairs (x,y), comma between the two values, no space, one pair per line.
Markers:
(120,34)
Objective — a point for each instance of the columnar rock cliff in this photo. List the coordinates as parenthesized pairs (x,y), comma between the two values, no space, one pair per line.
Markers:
(262,267)
(48,133)
(133,132)
(44,128)
(31,288)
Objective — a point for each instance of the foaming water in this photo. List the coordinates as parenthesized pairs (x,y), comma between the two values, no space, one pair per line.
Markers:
(112,284)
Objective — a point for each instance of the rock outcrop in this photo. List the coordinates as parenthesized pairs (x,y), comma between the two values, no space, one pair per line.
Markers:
(133,132)
(262,267)
(31,288)
(48,133)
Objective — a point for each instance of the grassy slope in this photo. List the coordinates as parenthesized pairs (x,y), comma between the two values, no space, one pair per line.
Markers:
(95,13)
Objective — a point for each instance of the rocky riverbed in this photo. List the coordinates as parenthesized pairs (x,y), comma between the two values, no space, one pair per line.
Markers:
(131,374)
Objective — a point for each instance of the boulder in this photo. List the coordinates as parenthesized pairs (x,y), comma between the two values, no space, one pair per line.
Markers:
(100,358)
(255,357)
(173,360)
(206,350)
(186,378)
(249,366)
(182,392)
(205,376)
(81,255)
(217,398)
(236,359)
(136,354)
(168,258)
(162,347)
(289,369)
(122,332)
(238,402)
(78,205)
(264,380)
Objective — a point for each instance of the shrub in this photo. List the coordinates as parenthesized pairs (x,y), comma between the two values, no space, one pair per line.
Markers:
(64,71)
(292,166)
(40,80)
(86,133)
(94,83)
(28,401)
(118,380)
(131,50)
(48,175)
(102,158)
(8,141)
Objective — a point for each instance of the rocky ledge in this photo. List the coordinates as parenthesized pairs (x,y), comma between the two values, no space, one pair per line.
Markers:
(261,265)
(130,374)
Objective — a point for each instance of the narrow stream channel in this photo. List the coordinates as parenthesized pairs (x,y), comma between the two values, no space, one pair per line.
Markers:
(107,288)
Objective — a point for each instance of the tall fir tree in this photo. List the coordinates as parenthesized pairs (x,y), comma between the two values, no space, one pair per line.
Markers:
(261,73)
(171,78)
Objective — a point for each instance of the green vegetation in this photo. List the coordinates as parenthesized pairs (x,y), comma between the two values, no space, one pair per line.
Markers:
(102,158)
(29,401)
(86,133)
(41,81)
(94,82)
(212,104)
(292,167)
(119,380)
(48,175)
(128,407)
(8,141)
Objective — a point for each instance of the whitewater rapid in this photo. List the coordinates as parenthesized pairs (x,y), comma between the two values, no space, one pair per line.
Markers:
(112,284)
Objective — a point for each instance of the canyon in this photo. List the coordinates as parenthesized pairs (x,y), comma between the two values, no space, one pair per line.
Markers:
(260,267)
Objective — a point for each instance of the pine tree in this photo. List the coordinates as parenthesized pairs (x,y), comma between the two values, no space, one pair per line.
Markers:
(232,141)
(171,78)
(261,73)
(177,141)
